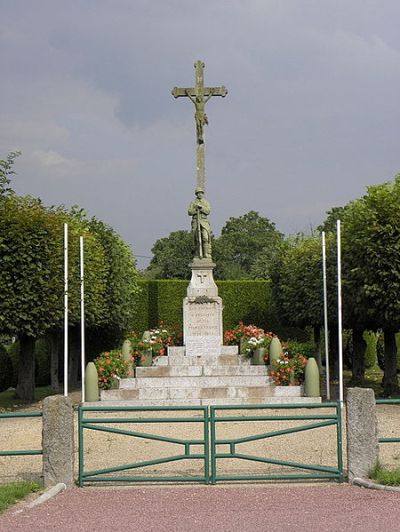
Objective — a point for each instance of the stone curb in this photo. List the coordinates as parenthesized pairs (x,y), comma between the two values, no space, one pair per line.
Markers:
(48,494)
(364,483)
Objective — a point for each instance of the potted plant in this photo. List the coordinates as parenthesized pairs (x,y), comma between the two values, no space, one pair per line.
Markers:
(161,337)
(241,334)
(288,374)
(111,367)
(143,352)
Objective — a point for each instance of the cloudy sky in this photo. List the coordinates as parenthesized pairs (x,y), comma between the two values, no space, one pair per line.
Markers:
(312,116)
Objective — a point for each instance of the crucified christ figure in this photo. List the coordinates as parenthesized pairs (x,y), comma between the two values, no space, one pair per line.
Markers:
(199,115)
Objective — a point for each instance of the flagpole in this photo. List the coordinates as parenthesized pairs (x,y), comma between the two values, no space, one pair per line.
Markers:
(65,310)
(82,318)
(327,374)
(339,291)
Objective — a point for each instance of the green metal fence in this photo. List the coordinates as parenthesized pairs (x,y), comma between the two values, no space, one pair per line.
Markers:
(320,420)
(24,452)
(195,415)
(388,402)
(210,419)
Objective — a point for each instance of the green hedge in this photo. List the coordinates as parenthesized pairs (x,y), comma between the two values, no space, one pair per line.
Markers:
(247,301)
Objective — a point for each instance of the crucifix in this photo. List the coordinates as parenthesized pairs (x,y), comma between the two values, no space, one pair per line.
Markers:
(199,95)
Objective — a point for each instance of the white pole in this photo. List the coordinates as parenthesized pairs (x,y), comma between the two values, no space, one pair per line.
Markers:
(328,388)
(339,281)
(65,310)
(82,320)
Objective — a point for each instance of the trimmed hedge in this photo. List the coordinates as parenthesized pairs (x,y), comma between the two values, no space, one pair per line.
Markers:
(247,301)
(370,356)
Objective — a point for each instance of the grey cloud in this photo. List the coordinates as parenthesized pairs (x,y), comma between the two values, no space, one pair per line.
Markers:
(311,118)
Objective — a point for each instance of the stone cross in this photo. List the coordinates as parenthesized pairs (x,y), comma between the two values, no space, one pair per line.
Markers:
(199,96)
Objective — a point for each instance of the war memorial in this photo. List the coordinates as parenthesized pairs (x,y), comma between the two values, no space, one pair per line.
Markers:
(203,371)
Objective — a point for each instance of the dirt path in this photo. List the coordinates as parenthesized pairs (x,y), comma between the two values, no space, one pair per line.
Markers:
(316,447)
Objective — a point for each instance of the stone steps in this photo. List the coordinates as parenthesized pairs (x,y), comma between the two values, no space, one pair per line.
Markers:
(179,380)
(179,393)
(198,371)
(196,382)
(208,401)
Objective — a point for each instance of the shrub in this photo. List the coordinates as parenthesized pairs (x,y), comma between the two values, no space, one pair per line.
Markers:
(306,349)
(370,356)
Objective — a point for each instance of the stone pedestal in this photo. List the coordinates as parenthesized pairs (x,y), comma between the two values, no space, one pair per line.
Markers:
(202,312)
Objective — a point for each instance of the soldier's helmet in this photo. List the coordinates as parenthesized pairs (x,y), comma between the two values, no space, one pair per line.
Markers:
(199,189)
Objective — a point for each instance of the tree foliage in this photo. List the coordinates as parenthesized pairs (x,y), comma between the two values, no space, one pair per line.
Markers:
(371,254)
(172,256)
(6,171)
(298,283)
(242,241)
(371,245)
(32,276)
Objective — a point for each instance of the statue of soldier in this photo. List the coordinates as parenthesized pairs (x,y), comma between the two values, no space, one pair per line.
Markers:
(199,209)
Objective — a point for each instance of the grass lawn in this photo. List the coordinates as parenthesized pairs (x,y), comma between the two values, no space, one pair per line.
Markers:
(12,493)
(8,401)
(388,477)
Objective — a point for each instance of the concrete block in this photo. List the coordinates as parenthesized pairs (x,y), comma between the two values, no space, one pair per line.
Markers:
(200,382)
(119,395)
(229,350)
(169,371)
(213,371)
(58,441)
(362,432)
(161,361)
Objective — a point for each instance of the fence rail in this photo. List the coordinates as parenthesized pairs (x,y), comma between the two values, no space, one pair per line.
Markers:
(97,424)
(388,402)
(25,452)
(316,471)
(210,418)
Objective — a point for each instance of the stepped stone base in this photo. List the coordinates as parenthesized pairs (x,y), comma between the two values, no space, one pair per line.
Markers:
(180,380)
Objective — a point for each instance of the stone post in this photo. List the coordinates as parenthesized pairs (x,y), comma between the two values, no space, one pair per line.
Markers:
(362,432)
(58,441)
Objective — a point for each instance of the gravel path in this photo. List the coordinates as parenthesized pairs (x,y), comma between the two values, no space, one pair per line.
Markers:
(331,508)
(105,449)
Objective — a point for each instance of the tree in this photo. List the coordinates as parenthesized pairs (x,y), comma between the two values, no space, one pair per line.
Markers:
(121,277)
(172,256)
(334,214)
(6,170)
(32,280)
(242,240)
(371,267)
(28,296)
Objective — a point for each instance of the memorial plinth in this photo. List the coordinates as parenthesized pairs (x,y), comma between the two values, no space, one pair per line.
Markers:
(202,312)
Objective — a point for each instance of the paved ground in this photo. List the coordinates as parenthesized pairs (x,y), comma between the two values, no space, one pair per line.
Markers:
(230,508)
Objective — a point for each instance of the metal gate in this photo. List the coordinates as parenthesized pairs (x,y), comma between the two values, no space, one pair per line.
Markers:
(232,445)
(208,448)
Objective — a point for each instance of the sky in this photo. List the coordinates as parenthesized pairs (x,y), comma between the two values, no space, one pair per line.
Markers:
(312,115)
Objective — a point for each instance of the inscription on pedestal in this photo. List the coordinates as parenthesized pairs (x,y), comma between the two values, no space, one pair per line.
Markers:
(203,319)
(202,327)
